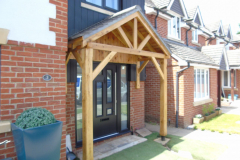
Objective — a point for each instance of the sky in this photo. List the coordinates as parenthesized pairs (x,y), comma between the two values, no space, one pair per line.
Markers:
(213,10)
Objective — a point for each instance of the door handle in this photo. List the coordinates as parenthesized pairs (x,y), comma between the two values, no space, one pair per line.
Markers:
(115,93)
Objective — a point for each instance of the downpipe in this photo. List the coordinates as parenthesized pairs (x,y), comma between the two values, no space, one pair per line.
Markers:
(156,19)
(177,92)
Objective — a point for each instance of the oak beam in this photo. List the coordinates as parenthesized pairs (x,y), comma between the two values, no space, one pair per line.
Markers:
(87,104)
(163,100)
(144,42)
(125,37)
(157,67)
(105,47)
(68,57)
(137,75)
(143,66)
(77,57)
(104,62)
(119,38)
(142,37)
(135,36)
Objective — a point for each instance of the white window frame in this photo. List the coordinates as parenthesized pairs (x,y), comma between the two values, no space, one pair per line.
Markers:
(229,79)
(206,88)
(174,32)
(194,37)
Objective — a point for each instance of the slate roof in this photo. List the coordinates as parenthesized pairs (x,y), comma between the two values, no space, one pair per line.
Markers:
(234,58)
(216,53)
(157,3)
(213,27)
(236,38)
(98,27)
(191,54)
(191,12)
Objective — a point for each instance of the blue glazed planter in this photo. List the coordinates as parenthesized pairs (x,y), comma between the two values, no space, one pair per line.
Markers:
(39,143)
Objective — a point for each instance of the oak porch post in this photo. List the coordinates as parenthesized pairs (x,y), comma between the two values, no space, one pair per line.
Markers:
(232,84)
(87,103)
(163,100)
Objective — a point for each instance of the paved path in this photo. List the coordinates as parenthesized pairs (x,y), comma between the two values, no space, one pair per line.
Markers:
(234,108)
(232,141)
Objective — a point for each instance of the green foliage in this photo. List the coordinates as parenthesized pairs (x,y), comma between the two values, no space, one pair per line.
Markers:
(203,129)
(198,116)
(195,128)
(217,109)
(205,110)
(35,117)
(211,108)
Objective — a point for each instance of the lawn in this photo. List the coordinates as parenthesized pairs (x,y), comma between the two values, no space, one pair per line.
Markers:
(147,150)
(223,123)
(199,149)
(151,150)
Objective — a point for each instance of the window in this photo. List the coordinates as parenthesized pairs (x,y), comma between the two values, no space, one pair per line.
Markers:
(112,4)
(201,84)
(174,29)
(195,35)
(226,78)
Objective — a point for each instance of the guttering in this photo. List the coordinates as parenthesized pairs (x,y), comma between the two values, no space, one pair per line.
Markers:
(156,19)
(177,92)
(187,34)
(162,11)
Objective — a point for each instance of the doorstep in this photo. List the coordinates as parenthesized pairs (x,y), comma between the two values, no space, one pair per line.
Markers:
(117,145)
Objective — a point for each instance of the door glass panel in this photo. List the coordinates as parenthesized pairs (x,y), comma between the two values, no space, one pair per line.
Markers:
(207,79)
(99,99)
(124,100)
(109,86)
(79,103)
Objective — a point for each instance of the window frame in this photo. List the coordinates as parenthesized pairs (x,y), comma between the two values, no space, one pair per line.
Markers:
(229,79)
(206,87)
(174,32)
(104,6)
(195,35)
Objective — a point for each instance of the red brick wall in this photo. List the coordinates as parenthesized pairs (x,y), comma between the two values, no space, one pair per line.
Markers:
(70,113)
(162,25)
(137,101)
(201,40)
(22,86)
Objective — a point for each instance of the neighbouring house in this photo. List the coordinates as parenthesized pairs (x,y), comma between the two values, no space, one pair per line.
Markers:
(191,42)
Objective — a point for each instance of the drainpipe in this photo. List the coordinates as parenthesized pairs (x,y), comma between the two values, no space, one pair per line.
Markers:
(177,92)
(187,35)
(156,19)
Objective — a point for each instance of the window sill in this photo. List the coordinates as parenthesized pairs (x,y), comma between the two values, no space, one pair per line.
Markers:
(97,9)
(195,43)
(175,39)
(201,102)
(5,126)
(229,88)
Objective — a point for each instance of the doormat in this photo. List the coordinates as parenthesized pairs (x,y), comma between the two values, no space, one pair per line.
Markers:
(143,132)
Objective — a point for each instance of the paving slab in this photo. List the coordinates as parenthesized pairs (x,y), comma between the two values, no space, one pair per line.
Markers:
(185,154)
(143,132)
(159,140)
(117,145)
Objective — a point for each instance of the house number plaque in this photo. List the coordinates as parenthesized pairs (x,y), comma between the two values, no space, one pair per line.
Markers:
(47,77)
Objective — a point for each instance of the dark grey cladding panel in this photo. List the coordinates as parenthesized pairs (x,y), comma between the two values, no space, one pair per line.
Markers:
(220,31)
(223,65)
(176,7)
(72,71)
(229,34)
(197,20)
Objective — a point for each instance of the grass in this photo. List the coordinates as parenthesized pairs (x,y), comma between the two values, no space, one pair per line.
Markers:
(199,149)
(222,123)
(151,150)
(148,150)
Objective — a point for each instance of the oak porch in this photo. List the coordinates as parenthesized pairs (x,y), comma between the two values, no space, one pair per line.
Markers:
(130,40)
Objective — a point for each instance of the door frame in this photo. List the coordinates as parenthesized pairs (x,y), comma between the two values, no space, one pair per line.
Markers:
(128,76)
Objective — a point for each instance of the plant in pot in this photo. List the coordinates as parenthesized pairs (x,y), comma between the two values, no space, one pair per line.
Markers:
(37,135)
(205,110)
(198,119)
(218,111)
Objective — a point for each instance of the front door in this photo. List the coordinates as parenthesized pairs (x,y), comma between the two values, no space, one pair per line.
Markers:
(104,102)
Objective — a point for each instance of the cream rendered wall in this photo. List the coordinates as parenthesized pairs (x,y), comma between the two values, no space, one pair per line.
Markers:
(28,20)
